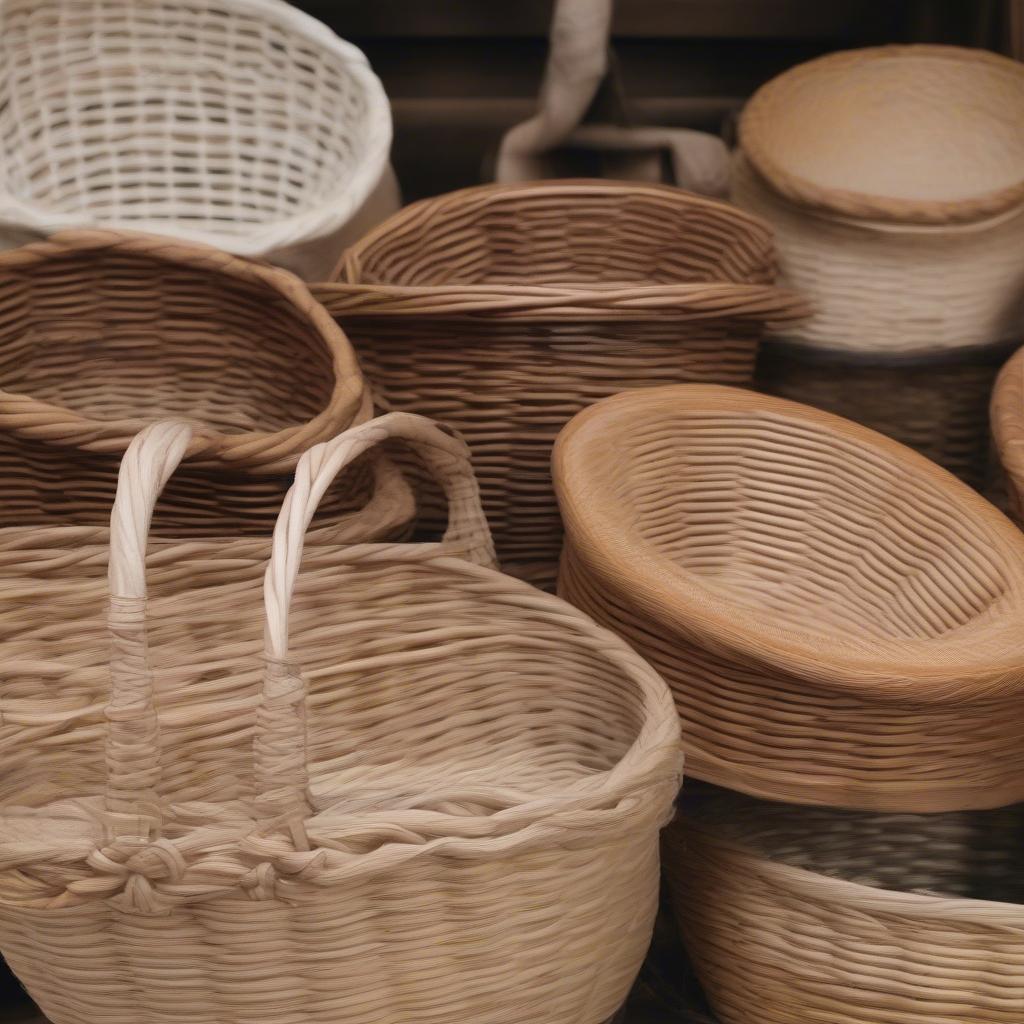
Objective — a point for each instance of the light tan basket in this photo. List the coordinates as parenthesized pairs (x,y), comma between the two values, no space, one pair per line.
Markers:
(505,309)
(243,124)
(1007,418)
(840,619)
(795,914)
(459,821)
(102,332)
(894,180)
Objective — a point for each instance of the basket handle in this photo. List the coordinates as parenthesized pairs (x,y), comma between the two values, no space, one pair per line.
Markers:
(133,739)
(280,744)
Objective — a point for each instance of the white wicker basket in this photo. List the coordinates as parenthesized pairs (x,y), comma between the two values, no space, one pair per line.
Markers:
(894,179)
(244,124)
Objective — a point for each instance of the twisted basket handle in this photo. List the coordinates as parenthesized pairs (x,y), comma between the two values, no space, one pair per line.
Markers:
(133,739)
(280,746)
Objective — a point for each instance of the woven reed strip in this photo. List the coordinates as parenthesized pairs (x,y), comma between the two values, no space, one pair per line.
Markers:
(838,618)
(505,309)
(473,843)
(794,914)
(1007,419)
(242,123)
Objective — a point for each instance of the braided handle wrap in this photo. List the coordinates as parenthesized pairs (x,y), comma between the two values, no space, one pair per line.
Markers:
(133,739)
(280,745)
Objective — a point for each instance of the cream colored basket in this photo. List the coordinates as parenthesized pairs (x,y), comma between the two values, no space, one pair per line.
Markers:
(449,812)
(245,124)
(795,914)
(894,179)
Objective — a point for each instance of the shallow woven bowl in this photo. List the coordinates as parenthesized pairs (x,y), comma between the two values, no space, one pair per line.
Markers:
(894,179)
(505,309)
(244,124)
(838,617)
(103,332)
(792,914)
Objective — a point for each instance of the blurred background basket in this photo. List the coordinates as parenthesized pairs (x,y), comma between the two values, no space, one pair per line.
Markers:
(244,124)
(838,617)
(1007,419)
(894,180)
(505,309)
(797,914)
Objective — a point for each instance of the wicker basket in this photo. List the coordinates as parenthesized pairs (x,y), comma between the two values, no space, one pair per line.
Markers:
(505,309)
(440,834)
(805,914)
(243,124)
(101,332)
(839,618)
(1007,416)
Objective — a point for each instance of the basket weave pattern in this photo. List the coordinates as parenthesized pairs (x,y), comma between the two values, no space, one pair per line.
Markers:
(504,310)
(838,618)
(431,828)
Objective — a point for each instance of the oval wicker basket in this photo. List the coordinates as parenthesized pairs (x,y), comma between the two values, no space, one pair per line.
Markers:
(839,618)
(505,309)
(1007,419)
(794,914)
(244,124)
(102,332)
(436,833)
(903,222)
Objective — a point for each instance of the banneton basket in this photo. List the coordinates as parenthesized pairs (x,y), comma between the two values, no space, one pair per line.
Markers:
(410,789)
(838,617)
(243,124)
(795,914)
(102,332)
(505,309)
(1007,418)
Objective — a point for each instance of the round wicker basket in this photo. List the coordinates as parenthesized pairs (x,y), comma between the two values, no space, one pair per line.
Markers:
(793,914)
(415,825)
(838,617)
(244,124)
(503,310)
(102,332)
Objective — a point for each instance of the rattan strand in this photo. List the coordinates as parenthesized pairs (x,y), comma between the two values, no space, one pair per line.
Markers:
(794,914)
(244,124)
(505,309)
(838,617)
(469,842)
(102,332)
(1007,419)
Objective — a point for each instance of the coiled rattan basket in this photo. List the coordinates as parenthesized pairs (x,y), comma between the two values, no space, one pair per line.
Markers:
(244,124)
(840,619)
(434,831)
(1007,418)
(505,309)
(796,914)
(102,332)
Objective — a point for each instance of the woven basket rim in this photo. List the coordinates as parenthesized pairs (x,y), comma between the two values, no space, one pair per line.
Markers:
(927,670)
(815,887)
(350,296)
(58,425)
(312,223)
(768,103)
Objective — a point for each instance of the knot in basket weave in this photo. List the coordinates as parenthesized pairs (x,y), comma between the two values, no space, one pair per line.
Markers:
(243,124)
(103,332)
(505,309)
(894,179)
(399,786)
(850,916)
(838,617)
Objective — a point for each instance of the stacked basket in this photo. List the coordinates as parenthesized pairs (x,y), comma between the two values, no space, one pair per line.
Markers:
(894,180)
(839,620)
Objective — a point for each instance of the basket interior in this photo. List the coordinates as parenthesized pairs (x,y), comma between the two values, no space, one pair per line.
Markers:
(966,854)
(115,334)
(819,531)
(195,111)
(570,234)
(455,697)
(920,123)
